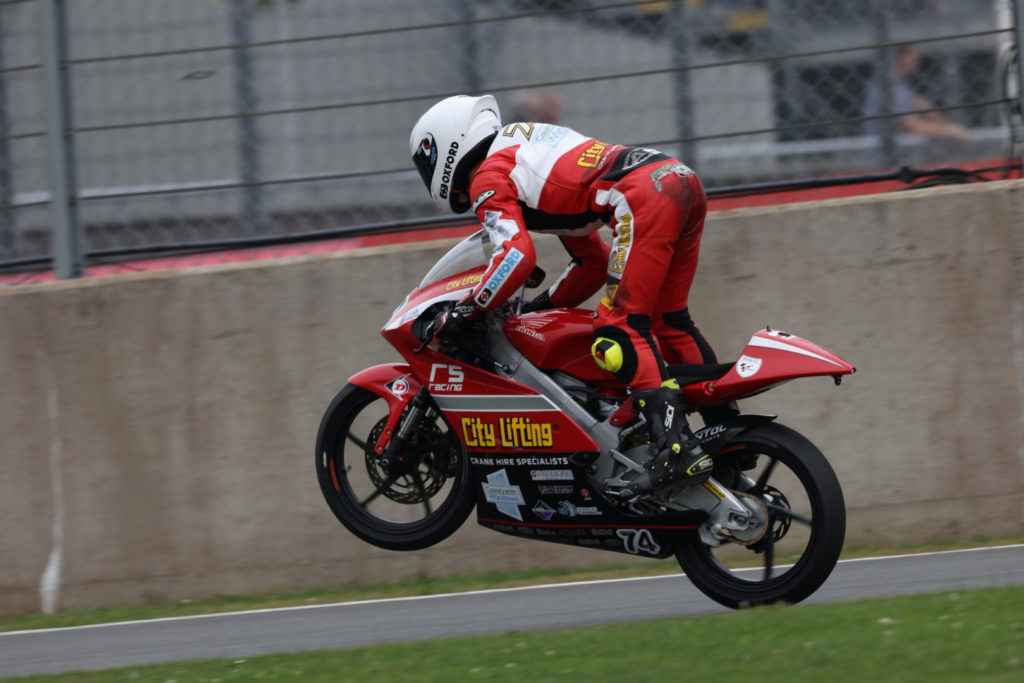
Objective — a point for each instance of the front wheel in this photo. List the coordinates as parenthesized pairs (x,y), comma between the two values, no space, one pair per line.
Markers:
(409,507)
(805,522)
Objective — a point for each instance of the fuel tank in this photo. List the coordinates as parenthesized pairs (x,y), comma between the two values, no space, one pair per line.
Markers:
(559,339)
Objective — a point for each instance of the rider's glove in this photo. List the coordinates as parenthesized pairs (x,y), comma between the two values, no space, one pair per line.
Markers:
(541,302)
(456,323)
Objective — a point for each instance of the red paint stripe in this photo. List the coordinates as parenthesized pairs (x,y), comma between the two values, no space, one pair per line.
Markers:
(587,526)
(344,244)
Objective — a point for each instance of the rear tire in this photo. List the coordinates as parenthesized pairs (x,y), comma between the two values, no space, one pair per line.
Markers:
(414,510)
(807,523)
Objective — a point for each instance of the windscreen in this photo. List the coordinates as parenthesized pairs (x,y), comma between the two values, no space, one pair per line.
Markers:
(472,252)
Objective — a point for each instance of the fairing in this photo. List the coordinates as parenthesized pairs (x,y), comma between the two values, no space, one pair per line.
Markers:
(395,383)
(770,358)
(528,457)
(559,339)
(472,252)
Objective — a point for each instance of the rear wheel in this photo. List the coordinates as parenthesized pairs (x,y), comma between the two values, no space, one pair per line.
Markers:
(799,496)
(405,506)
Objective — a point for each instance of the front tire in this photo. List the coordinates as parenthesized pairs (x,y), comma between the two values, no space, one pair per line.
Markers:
(423,504)
(805,529)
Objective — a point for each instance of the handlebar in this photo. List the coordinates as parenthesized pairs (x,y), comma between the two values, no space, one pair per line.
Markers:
(478,353)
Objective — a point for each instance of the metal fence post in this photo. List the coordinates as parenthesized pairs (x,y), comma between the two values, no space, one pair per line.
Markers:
(60,140)
(247,103)
(464,70)
(1018,32)
(471,47)
(8,232)
(884,79)
(681,39)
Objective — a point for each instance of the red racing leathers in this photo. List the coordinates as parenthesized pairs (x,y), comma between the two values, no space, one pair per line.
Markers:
(551,179)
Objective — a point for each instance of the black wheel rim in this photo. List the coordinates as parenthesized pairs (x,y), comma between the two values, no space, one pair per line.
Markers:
(393,498)
(791,534)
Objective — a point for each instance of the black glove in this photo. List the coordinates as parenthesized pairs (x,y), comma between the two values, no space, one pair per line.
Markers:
(541,302)
(459,322)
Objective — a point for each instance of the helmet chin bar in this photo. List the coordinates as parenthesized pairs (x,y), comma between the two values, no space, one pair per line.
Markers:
(459,201)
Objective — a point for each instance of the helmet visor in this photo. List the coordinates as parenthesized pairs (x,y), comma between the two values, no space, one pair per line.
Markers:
(425,159)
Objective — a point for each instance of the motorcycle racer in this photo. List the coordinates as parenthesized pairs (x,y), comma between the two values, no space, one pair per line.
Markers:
(534,176)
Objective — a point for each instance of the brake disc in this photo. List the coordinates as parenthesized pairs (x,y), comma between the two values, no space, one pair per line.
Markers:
(426,456)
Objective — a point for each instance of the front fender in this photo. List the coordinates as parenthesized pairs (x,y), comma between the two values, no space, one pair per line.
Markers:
(717,436)
(395,383)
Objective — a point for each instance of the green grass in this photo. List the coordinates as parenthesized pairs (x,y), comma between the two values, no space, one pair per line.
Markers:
(961,636)
(426,586)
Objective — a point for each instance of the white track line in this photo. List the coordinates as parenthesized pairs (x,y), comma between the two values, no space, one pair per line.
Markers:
(486,591)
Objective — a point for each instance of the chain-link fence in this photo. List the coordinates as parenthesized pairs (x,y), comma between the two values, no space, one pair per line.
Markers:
(201,120)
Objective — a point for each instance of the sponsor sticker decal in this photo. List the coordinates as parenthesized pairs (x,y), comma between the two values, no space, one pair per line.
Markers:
(747,366)
(444,377)
(592,155)
(710,432)
(500,229)
(550,135)
(467,281)
(491,219)
(667,170)
(530,327)
(448,170)
(551,475)
(504,495)
(528,461)
(568,509)
(543,510)
(500,276)
(529,331)
(621,244)
(399,387)
(636,157)
(508,432)
(710,486)
(538,460)
(555,489)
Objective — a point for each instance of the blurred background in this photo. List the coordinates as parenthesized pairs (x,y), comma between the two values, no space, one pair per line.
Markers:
(129,127)
(157,430)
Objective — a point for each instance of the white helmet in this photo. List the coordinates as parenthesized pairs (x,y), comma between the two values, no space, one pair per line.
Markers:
(448,140)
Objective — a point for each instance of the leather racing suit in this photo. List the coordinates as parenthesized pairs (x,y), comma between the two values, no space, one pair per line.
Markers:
(551,179)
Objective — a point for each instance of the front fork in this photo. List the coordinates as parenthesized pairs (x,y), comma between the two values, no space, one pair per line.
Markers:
(393,459)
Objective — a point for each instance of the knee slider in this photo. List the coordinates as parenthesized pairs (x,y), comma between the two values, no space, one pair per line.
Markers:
(607,354)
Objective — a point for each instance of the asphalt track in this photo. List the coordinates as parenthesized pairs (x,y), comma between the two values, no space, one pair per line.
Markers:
(549,607)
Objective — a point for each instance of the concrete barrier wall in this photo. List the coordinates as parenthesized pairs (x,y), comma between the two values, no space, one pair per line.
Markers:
(157,429)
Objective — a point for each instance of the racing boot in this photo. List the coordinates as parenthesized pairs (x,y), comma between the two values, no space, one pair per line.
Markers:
(679,456)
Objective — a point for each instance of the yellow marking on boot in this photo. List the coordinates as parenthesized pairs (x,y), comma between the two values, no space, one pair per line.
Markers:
(676,448)
(670,383)
(704,463)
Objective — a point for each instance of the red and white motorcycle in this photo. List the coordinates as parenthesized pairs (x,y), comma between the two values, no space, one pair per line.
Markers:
(521,423)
